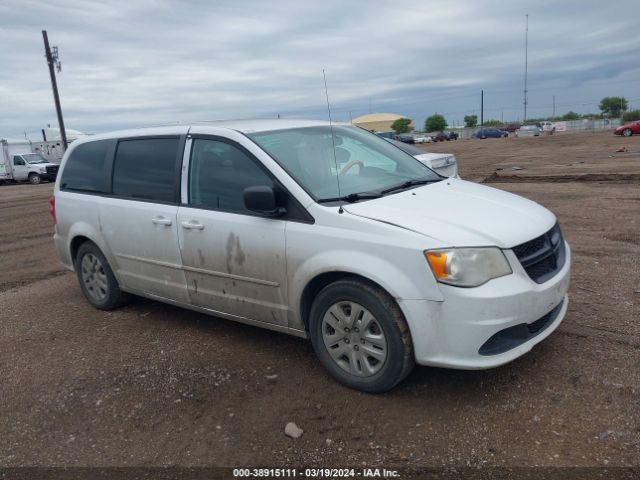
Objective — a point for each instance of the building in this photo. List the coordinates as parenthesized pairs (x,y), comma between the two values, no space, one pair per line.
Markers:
(378,122)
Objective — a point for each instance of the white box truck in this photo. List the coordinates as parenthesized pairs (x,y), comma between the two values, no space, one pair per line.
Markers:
(18,163)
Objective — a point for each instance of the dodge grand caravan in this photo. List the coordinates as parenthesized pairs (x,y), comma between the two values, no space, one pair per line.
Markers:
(326,232)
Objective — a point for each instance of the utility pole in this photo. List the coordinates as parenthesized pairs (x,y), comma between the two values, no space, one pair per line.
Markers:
(526,61)
(481,108)
(52,61)
(554,108)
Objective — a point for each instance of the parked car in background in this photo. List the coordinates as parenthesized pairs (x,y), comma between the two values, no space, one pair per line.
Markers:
(547,126)
(422,139)
(491,133)
(512,127)
(406,138)
(628,129)
(444,164)
(19,164)
(322,231)
(529,131)
(444,136)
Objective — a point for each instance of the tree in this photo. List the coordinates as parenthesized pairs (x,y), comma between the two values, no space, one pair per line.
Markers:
(470,120)
(492,123)
(570,115)
(435,123)
(401,125)
(613,106)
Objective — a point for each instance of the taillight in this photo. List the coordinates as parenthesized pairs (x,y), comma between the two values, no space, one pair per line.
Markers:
(52,208)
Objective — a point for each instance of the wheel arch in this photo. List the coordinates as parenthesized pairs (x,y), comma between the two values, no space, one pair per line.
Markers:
(75,244)
(81,232)
(321,280)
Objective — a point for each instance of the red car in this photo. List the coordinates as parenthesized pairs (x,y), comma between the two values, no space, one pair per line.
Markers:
(628,129)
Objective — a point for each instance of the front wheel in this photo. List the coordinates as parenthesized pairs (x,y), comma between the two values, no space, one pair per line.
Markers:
(627,132)
(35,179)
(360,336)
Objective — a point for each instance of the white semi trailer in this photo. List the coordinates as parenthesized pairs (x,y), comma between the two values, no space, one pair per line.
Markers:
(18,163)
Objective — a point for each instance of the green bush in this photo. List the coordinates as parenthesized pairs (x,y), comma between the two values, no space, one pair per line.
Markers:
(570,115)
(631,116)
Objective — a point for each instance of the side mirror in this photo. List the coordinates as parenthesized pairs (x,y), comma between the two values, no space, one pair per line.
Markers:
(262,199)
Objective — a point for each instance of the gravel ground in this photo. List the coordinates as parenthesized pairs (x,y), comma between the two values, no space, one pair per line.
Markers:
(151,385)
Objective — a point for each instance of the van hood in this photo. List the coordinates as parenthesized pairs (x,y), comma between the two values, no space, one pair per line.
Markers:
(457,213)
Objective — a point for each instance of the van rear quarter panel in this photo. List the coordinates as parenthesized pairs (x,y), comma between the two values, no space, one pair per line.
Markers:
(78,214)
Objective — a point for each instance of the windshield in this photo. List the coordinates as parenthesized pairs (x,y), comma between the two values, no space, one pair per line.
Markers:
(362,162)
(32,158)
(406,147)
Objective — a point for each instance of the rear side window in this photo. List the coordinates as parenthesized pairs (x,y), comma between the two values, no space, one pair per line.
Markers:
(85,168)
(147,169)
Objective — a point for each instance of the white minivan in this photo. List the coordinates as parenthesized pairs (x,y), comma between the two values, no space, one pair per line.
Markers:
(323,231)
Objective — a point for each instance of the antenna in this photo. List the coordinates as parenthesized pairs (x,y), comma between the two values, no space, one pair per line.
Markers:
(333,142)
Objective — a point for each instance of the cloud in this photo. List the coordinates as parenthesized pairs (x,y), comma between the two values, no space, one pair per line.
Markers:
(133,63)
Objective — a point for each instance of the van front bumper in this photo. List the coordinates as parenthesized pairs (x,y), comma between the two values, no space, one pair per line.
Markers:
(490,325)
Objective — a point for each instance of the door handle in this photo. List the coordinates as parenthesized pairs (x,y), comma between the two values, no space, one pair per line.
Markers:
(159,220)
(192,225)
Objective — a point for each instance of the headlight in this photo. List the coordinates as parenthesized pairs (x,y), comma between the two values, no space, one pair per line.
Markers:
(43,170)
(467,267)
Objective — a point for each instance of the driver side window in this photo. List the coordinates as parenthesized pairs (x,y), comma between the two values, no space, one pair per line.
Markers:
(218,174)
(18,161)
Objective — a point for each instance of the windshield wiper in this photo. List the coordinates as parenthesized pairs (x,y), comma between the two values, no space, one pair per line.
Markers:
(408,184)
(352,197)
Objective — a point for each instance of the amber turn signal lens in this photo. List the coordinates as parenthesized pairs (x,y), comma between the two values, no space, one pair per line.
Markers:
(438,263)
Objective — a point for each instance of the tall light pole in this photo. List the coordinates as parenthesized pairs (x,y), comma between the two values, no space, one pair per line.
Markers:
(52,61)
(526,60)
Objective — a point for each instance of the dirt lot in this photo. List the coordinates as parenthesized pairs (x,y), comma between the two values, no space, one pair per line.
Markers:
(155,385)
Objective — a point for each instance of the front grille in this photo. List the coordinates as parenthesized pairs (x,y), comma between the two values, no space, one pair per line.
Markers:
(543,256)
(511,337)
(53,169)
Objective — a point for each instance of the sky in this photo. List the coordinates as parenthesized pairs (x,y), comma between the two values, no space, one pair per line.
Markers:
(148,62)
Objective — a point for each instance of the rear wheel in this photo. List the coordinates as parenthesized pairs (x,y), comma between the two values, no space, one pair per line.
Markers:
(35,179)
(627,132)
(360,336)
(97,281)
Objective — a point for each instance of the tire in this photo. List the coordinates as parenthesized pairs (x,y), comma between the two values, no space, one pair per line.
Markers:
(627,132)
(373,360)
(35,179)
(97,281)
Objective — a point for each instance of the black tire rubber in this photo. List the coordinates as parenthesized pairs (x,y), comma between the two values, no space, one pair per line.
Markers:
(627,132)
(115,297)
(35,179)
(400,358)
